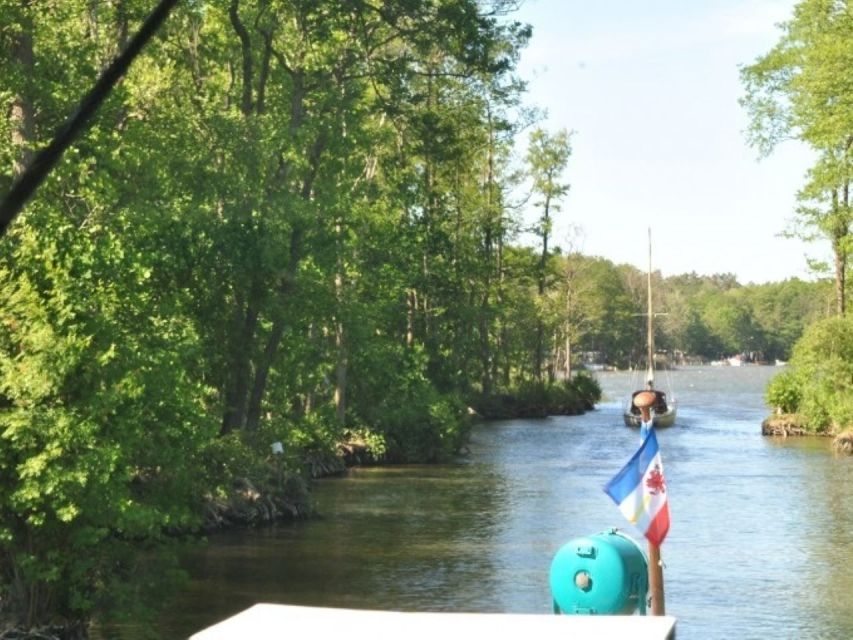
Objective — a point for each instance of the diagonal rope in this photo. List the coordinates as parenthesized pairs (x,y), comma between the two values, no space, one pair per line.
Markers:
(40,167)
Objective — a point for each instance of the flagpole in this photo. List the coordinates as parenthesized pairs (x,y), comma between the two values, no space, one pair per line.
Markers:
(656,581)
(644,401)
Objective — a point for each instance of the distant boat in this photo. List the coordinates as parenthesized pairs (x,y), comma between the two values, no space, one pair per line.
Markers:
(664,410)
(780,363)
(737,361)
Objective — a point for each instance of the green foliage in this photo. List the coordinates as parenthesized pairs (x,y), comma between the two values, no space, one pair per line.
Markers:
(539,399)
(784,394)
(801,89)
(819,383)
(101,428)
(416,423)
(587,388)
(714,317)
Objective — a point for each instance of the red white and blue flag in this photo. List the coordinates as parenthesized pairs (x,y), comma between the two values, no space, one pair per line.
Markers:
(639,490)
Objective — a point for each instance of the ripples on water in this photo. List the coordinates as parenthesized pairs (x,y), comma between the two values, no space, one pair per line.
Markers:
(760,544)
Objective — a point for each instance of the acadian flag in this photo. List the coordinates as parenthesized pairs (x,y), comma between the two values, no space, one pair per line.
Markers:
(639,490)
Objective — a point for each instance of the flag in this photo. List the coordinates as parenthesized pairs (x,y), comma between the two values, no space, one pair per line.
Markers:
(645,427)
(639,490)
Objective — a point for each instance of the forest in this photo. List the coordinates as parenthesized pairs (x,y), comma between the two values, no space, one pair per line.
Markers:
(292,222)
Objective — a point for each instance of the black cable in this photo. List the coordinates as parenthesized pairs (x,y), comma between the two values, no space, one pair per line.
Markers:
(43,162)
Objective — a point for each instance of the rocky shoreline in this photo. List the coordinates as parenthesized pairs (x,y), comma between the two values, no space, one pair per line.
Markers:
(784,425)
(843,442)
(248,506)
(251,503)
(791,425)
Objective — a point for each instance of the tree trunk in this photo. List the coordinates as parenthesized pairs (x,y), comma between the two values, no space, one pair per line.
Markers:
(543,263)
(485,354)
(253,412)
(22,112)
(845,203)
(488,243)
(246,51)
(552,364)
(840,276)
(503,338)
(342,360)
(568,368)
(240,366)
(309,394)
(411,305)
(341,374)
(840,231)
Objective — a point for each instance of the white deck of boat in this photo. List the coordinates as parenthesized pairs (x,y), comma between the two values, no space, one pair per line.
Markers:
(268,621)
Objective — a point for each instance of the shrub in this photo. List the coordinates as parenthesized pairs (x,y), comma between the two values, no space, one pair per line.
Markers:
(784,394)
(539,399)
(819,382)
(405,412)
(588,389)
(100,434)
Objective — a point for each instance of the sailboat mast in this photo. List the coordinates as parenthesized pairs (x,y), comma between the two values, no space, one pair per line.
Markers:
(650,334)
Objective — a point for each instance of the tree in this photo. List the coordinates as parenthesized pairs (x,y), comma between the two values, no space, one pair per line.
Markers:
(236,233)
(547,158)
(817,384)
(802,88)
(103,424)
(573,287)
(825,210)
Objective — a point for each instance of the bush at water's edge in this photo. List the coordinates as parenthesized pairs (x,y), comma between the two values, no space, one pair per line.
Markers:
(415,427)
(541,399)
(815,394)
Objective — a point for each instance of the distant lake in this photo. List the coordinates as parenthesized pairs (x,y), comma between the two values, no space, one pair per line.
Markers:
(761,543)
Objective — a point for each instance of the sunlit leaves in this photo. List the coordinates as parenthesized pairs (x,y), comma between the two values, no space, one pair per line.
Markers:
(802,89)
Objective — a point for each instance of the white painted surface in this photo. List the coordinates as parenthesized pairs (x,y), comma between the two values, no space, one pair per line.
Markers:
(269,621)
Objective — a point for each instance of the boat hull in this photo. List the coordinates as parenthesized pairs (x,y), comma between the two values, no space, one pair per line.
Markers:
(659,420)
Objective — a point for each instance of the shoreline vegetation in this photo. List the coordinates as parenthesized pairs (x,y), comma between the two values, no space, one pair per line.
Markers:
(275,496)
(279,489)
(794,425)
(814,395)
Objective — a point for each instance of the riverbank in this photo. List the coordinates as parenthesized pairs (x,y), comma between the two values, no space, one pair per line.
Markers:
(284,496)
(247,505)
(272,489)
(475,535)
(792,425)
(785,425)
(540,400)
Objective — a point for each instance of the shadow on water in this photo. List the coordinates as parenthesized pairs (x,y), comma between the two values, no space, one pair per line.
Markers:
(759,546)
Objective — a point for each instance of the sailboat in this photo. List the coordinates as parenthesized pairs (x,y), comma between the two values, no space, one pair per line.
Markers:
(664,410)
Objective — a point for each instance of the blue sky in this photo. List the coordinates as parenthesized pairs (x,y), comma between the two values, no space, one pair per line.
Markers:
(651,91)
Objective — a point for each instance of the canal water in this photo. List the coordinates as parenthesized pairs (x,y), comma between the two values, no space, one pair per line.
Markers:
(760,544)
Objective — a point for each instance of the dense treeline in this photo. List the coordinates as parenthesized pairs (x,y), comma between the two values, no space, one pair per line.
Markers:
(598,307)
(289,223)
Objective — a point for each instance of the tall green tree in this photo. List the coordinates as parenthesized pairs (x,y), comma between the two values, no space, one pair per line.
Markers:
(102,420)
(547,158)
(802,88)
(237,233)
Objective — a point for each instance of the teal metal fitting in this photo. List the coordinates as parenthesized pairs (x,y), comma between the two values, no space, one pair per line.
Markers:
(606,573)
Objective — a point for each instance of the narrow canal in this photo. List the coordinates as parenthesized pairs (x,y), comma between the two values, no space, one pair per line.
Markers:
(760,545)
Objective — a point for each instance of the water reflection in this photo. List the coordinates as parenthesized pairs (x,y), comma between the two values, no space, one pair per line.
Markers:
(825,578)
(759,546)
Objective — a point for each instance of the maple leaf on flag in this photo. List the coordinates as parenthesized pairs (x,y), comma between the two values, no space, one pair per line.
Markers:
(655,482)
